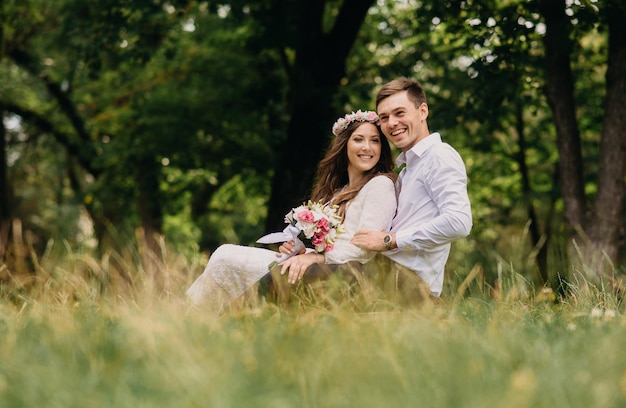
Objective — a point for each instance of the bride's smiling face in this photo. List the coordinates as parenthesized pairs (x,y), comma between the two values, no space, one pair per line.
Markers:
(363,148)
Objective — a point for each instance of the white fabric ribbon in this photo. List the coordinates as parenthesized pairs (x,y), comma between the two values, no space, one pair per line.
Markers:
(290,233)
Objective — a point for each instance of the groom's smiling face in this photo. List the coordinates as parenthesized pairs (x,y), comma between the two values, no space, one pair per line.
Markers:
(401,121)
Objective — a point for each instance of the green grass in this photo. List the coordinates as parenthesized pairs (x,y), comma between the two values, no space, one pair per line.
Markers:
(70,340)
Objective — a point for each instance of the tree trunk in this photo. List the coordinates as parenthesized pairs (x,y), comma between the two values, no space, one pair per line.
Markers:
(539,241)
(596,232)
(5,206)
(559,91)
(150,214)
(605,226)
(320,63)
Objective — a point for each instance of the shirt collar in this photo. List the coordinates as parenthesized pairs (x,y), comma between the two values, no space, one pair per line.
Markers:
(419,149)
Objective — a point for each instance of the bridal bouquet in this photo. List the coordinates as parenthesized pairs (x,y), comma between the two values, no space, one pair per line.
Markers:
(314,222)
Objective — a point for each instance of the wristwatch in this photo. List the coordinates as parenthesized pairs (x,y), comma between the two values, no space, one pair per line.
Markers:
(388,241)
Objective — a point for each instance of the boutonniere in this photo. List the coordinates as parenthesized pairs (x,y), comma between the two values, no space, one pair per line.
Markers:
(397,170)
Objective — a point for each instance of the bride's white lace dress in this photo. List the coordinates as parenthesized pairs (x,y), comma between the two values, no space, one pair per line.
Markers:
(233,268)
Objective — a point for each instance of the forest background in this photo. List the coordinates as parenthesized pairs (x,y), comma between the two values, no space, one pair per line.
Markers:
(187,124)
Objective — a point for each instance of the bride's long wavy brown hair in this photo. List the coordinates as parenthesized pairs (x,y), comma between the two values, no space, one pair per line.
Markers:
(332,171)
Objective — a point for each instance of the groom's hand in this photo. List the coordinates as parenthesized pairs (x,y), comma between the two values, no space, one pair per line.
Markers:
(371,240)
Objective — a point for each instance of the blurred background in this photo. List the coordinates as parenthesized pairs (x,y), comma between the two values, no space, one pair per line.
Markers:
(196,123)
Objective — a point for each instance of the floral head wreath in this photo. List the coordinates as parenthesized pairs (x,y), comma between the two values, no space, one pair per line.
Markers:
(358,116)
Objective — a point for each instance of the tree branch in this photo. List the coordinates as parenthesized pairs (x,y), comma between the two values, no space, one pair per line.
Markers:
(26,61)
(46,126)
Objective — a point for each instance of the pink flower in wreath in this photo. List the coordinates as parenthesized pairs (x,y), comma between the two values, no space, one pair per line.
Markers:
(328,247)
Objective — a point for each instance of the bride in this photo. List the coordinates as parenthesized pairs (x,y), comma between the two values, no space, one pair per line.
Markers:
(356,175)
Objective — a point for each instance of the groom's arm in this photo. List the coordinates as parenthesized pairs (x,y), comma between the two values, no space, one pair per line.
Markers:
(373,240)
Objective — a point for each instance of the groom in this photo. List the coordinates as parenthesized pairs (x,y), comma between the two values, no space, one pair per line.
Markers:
(433,205)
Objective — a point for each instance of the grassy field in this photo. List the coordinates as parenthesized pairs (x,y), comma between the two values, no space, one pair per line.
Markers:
(80,333)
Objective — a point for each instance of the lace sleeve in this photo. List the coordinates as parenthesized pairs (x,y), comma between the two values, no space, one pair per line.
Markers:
(372,209)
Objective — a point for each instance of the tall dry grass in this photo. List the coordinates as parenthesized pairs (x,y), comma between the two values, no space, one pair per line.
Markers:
(86,330)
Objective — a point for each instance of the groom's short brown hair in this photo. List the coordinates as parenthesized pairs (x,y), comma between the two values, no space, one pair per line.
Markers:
(415,92)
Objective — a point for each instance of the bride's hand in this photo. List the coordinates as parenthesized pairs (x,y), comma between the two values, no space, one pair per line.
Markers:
(287,248)
(298,265)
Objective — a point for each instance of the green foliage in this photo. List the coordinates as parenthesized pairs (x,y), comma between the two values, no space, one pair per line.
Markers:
(183,104)
(237,211)
(156,87)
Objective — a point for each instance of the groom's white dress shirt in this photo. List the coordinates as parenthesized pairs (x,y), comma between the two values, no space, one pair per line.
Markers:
(433,209)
